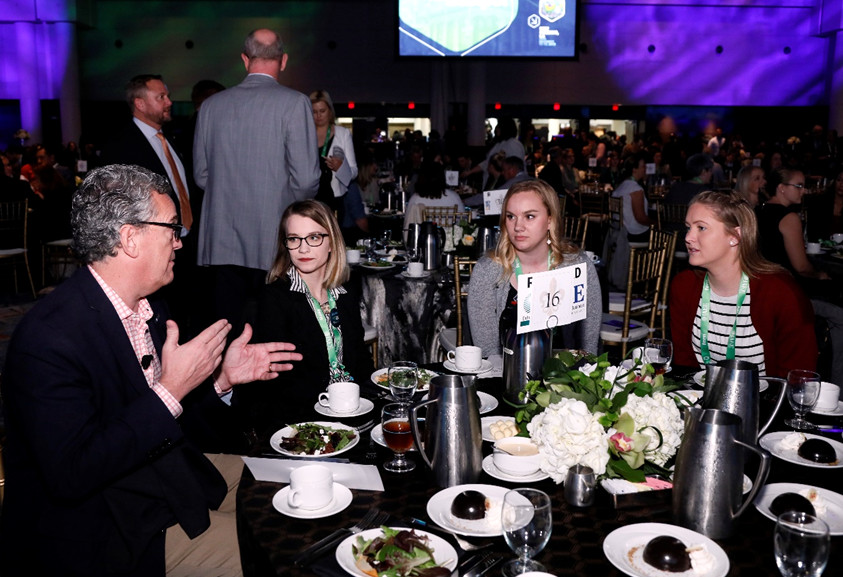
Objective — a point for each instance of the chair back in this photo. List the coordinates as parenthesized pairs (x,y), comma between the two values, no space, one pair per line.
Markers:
(13,223)
(446,215)
(462,266)
(615,207)
(646,267)
(563,203)
(575,229)
(671,216)
(593,204)
(666,239)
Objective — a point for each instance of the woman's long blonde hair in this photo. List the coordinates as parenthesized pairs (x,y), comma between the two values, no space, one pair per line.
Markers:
(337,267)
(734,211)
(505,253)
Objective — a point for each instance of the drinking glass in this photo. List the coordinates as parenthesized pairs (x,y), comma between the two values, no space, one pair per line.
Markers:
(395,422)
(803,391)
(658,353)
(801,543)
(527,523)
(403,380)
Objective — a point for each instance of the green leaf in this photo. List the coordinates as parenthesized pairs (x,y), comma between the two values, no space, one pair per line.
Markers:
(623,469)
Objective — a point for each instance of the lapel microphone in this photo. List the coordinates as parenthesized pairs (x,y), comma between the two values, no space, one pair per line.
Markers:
(146,360)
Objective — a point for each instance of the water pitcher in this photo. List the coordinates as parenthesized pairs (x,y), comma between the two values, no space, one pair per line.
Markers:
(451,444)
(733,386)
(524,356)
(431,241)
(708,479)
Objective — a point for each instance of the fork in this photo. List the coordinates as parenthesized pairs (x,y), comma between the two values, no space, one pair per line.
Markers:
(321,547)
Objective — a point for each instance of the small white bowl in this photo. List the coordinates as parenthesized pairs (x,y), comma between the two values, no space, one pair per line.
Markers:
(509,461)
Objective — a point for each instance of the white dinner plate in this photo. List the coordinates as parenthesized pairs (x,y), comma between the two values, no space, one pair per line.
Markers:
(772,442)
(380,266)
(381,376)
(439,511)
(485,367)
(490,467)
(341,499)
(699,378)
(833,502)
(377,436)
(486,422)
(488,403)
(275,439)
(425,274)
(364,407)
(624,548)
(830,413)
(443,553)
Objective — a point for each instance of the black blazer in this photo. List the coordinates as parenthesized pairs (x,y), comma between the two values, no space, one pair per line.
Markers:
(96,465)
(284,315)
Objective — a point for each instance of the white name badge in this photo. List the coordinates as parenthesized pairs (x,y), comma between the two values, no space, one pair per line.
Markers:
(552,298)
(493,201)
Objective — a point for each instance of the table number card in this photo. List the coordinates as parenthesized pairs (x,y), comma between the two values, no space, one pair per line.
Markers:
(552,298)
(493,201)
(452,178)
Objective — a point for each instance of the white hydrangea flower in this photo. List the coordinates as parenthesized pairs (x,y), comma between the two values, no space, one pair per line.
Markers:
(657,411)
(567,434)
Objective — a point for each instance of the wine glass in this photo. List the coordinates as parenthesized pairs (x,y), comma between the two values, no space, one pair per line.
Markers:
(527,523)
(803,391)
(801,543)
(395,423)
(403,378)
(658,353)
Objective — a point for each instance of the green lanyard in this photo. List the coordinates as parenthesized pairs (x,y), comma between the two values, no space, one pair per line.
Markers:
(517,264)
(333,337)
(705,311)
(324,152)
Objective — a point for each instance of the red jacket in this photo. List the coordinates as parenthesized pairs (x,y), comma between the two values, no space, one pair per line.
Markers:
(780,311)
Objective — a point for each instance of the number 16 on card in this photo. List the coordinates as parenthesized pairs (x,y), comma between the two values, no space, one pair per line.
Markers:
(552,298)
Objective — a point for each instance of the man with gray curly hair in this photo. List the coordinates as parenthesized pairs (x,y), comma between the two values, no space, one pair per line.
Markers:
(98,392)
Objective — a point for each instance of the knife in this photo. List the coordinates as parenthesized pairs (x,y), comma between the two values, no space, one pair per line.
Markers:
(483,567)
(470,561)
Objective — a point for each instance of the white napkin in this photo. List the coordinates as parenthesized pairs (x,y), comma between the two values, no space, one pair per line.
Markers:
(365,477)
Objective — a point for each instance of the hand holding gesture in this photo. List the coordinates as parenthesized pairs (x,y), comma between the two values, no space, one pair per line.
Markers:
(244,362)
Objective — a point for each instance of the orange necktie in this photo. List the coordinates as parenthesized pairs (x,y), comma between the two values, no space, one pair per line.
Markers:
(184,200)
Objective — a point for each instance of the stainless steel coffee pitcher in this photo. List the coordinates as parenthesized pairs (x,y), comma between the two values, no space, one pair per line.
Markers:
(431,241)
(733,386)
(451,444)
(708,478)
(487,239)
(414,237)
(524,356)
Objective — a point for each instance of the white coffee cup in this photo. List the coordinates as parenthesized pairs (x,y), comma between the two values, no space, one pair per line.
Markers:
(415,269)
(813,248)
(352,255)
(837,238)
(591,256)
(311,487)
(829,397)
(466,358)
(341,397)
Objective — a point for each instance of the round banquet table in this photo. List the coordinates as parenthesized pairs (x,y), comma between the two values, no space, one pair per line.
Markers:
(269,539)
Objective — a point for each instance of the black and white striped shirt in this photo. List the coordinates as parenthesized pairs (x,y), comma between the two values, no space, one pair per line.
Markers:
(748,345)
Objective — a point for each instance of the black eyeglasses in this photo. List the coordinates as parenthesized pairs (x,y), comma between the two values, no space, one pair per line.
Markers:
(176,228)
(799,186)
(312,240)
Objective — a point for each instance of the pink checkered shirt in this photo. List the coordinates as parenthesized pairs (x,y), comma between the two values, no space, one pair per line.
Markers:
(138,332)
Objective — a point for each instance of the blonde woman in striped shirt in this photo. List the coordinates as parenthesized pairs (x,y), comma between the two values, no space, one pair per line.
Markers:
(733,303)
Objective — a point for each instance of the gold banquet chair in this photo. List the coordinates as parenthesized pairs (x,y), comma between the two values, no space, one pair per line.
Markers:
(446,215)
(575,230)
(667,239)
(451,338)
(646,267)
(14,219)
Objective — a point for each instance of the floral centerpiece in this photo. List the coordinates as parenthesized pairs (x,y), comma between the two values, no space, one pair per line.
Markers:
(618,421)
(460,238)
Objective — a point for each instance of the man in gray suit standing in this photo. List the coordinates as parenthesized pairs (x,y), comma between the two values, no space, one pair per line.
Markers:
(254,153)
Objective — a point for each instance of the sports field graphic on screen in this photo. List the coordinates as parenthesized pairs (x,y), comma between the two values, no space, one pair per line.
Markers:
(544,28)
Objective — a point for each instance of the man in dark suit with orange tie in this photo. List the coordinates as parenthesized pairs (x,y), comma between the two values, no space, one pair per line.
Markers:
(99,396)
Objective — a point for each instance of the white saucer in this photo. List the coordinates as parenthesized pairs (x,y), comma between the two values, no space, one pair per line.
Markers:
(486,422)
(364,407)
(493,471)
(485,366)
(341,500)
(830,413)
(422,276)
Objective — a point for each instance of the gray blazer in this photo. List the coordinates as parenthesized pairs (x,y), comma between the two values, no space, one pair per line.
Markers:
(487,293)
(254,153)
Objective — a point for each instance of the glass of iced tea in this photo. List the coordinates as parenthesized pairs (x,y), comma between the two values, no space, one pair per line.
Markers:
(395,421)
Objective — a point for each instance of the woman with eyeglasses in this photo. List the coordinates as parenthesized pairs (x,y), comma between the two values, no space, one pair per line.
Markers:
(307,303)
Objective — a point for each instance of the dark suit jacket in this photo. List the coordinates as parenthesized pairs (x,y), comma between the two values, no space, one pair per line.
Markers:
(284,315)
(132,147)
(96,465)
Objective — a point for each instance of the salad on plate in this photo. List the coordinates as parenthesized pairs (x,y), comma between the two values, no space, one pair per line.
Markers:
(397,553)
